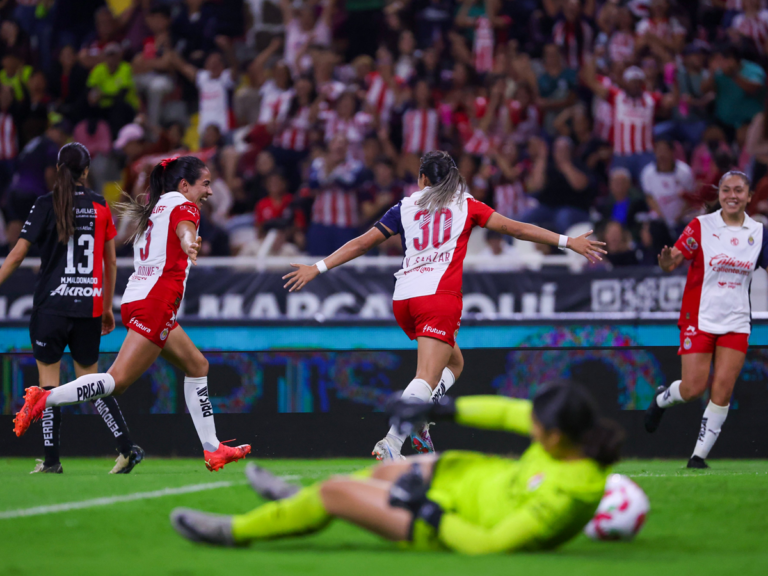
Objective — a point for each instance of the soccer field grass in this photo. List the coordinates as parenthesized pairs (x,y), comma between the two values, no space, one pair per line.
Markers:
(712,522)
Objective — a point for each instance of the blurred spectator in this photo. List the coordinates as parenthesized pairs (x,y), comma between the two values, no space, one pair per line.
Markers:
(154,63)
(277,209)
(112,93)
(751,26)
(364,19)
(560,184)
(624,202)
(618,244)
(739,86)
(194,30)
(381,194)
(660,30)
(420,124)
(557,86)
(67,84)
(757,145)
(9,139)
(334,179)
(106,32)
(15,73)
(304,29)
(573,34)
(665,184)
(510,198)
(36,108)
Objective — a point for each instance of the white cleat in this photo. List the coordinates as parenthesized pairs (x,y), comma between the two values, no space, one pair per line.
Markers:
(386,452)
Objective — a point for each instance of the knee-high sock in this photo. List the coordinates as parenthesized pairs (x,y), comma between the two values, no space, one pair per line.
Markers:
(51,432)
(711,423)
(201,410)
(446,381)
(113,418)
(300,514)
(88,387)
(671,396)
(418,389)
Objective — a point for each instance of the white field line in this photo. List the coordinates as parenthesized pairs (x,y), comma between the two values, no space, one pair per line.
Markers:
(693,475)
(109,500)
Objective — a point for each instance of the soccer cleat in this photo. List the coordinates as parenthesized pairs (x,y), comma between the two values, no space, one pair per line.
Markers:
(31,411)
(124,464)
(697,462)
(421,441)
(224,455)
(385,452)
(267,485)
(203,527)
(654,412)
(52,469)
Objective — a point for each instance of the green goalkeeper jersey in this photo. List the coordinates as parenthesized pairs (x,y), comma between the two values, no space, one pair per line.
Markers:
(495,504)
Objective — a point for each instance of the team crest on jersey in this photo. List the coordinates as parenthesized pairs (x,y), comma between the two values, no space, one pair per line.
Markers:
(164,334)
(687,343)
(691,244)
(751,241)
(735,241)
(535,481)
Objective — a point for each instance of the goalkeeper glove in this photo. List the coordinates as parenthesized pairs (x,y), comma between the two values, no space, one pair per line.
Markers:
(407,415)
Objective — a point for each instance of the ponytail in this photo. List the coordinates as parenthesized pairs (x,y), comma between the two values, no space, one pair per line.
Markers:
(165,177)
(72,162)
(603,442)
(445,181)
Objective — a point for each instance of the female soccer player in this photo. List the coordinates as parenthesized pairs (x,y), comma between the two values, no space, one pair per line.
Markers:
(434,225)
(165,245)
(73,229)
(462,501)
(715,319)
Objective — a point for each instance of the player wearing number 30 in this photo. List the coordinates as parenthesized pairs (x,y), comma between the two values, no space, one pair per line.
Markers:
(165,246)
(434,225)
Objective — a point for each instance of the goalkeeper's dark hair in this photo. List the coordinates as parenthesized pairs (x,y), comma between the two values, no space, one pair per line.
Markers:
(567,406)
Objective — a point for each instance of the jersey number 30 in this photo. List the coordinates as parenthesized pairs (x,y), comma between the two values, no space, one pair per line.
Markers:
(85,240)
(442,221)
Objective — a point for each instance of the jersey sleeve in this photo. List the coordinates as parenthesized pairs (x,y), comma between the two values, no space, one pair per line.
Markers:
(36,222)
(478,212)
(111,230)
(392,219)
(613,92)
(495,413)
(689,242)
(186,212)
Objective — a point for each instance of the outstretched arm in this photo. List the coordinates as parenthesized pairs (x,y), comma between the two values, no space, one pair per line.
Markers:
(670,258)
(303,274)
(495,413)
(590,249)
(14,259)
(190,241)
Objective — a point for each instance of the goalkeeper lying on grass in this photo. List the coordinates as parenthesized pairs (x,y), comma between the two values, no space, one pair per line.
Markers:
(463,501)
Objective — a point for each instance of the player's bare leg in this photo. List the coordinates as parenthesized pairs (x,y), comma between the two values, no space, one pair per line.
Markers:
(728,365)
(136,355)
(181,352)
(433,357)
(696,371)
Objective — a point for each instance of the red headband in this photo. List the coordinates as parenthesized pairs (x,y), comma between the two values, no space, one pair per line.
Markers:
(164,163)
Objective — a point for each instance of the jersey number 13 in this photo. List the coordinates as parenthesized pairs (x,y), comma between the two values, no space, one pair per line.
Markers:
(85,240)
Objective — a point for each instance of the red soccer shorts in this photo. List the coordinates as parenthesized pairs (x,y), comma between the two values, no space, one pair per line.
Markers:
(437,316)
(694,341)
(153,319)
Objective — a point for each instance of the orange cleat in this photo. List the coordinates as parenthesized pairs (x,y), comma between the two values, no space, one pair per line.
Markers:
(224,455)
(32,411)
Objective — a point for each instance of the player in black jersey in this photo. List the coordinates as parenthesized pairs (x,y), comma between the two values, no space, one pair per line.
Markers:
(73,229)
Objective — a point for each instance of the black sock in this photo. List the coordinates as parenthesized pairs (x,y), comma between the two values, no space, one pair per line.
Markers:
(113,418)
(51,432)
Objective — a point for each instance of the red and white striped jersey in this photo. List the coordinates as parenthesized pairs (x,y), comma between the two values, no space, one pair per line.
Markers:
(354,129)
(9,144)
(633,121)
(380,97)
(160,265)
(716,295)
(479,143)
(660,27)
(420,131)
(564,35)
(753,27)
(524,123)
(621,47)
(602,112)
(434,244)
(483,45)
(294,133)
(738,5)
(275,104)
(511,200)
(336,203)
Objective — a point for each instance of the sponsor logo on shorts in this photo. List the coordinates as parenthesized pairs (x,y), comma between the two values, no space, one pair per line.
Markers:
(429,328)
(687,344)
(691,244)
(140,326)
(164,334)
(751,241)
(41,344)
(535,481)
(690,331)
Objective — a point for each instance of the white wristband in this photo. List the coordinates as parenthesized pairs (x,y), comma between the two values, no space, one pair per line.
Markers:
(563,242)
(321,266)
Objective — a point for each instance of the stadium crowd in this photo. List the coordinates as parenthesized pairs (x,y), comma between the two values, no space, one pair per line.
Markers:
(313,114)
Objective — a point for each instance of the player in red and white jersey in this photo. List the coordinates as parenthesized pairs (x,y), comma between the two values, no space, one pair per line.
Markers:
(293,131)
(344,120)
(165,246)
(724,249)
(380,97)
(434,225)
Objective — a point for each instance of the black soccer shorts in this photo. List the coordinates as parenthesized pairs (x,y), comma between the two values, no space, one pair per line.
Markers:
(50,335)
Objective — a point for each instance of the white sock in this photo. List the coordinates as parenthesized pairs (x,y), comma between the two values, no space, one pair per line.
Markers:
(88,387)
(671,396)
(711,423)
(418,389)
(201,410)
(446,381)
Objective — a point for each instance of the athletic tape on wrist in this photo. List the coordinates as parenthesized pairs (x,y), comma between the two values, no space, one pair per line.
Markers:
(563,242)
(321,266)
